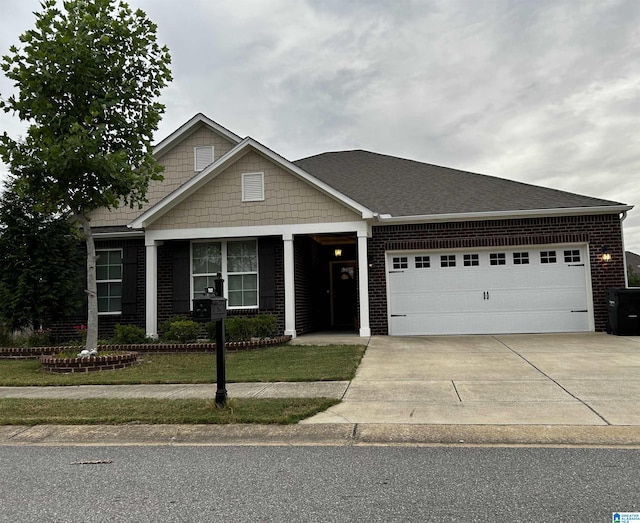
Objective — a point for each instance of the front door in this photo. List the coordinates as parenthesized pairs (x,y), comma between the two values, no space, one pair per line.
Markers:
(343,291)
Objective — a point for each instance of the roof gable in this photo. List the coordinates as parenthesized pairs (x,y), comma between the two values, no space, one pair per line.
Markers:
(189,128)
(199,181)
(398,187)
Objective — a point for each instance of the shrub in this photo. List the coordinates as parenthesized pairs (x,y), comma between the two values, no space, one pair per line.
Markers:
(238,328)
(180,329)
(265,326)
(129,334)
(39,338)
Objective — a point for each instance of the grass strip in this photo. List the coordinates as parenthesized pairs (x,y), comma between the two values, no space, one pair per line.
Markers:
(155,411)
(282,363)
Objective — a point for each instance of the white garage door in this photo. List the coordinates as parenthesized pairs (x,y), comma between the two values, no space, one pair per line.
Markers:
(523,290)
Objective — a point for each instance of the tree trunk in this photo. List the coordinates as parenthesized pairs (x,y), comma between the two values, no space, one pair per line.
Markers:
(92,286)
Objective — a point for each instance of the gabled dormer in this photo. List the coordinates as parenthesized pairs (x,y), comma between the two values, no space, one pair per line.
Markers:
(184,153)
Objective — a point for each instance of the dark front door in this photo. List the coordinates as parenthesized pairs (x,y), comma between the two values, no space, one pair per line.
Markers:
(343,295)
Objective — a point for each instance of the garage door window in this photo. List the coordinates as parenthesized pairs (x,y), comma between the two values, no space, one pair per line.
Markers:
(400,262)
(548,257)
(572,256)
(423,262)
(497,258)
(448,260)
(471,260)
(521,258)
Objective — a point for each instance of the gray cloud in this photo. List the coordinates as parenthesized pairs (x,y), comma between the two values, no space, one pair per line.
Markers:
(544,92)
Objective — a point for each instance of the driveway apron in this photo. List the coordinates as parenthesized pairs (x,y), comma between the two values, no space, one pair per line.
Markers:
(542,379)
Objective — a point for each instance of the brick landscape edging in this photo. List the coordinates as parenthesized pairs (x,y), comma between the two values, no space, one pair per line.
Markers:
(57,365)
(157,348)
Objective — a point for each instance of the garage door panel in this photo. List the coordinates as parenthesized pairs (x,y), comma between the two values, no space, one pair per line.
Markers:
(521,322)
(528,297)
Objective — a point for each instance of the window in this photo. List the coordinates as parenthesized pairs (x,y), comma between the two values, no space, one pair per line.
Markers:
(548,257)
(203,156)
(572,256)
(497,258)
(109,280)
(448,260)
(400,262)
(206,263)
(521,258)
(242,271)
(471,260)
(253,187)
(423,262)
(237,261)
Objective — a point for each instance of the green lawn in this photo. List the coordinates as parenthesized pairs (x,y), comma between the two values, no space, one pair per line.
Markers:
(283,363)
(153,411)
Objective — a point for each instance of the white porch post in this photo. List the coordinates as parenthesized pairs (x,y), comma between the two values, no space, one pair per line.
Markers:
(289,287)
(151,301)
(363,284)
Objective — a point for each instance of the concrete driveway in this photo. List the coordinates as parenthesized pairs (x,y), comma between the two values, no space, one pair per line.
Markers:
(545,379)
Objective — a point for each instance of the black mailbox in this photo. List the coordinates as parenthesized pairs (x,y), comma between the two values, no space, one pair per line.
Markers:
(210,308)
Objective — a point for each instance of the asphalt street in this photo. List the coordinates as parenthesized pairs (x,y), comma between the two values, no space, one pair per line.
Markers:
(316,484)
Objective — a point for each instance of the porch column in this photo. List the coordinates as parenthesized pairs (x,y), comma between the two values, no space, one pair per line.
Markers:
(363,284)
(289,287)
(151,297)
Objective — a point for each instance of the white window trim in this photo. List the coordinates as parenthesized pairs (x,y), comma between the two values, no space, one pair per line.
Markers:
(253,187)
(199,165)
(225,271)
(111,313)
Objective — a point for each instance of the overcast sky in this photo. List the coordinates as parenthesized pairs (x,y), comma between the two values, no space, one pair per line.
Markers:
(544,92)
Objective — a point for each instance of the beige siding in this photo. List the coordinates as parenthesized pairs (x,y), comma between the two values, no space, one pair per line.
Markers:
(178,165)
(288,200)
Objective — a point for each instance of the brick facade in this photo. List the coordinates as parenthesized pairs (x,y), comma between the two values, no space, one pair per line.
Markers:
(165,286)
(106,323)
(596,230)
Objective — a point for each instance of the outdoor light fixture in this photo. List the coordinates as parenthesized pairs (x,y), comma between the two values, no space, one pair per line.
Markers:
(606,254)
(337,253)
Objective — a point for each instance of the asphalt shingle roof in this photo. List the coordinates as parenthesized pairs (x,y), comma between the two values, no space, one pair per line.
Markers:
(400,187)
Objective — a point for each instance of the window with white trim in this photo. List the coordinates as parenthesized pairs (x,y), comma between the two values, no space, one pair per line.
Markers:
(423,262)
(242,273)
(471,260)
(497,258)
(521,258)
(572,256)
(237,261)
(400,262)
(109,281)
(203,157)
(548,257)
(252,187)
(448,260)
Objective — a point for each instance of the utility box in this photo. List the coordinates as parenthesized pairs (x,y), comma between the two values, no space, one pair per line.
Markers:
(623,306)
(209,308)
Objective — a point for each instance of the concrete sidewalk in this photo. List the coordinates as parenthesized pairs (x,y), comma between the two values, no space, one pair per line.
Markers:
(313,389)
(556,389)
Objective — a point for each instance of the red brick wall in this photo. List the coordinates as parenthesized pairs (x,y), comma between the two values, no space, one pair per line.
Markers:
(597,231)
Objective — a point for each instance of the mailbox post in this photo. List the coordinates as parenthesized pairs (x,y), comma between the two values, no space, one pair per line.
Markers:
(213,307)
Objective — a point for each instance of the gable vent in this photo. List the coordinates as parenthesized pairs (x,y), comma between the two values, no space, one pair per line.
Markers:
(203,157)
(252,187)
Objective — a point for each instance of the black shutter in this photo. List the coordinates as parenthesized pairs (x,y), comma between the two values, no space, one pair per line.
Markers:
(181,298)
(267,272)
(129,280)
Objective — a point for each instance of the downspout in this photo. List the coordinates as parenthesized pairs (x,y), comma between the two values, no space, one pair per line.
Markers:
(623,216)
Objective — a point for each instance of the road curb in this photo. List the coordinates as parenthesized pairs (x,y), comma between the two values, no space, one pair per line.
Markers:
(346,434)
